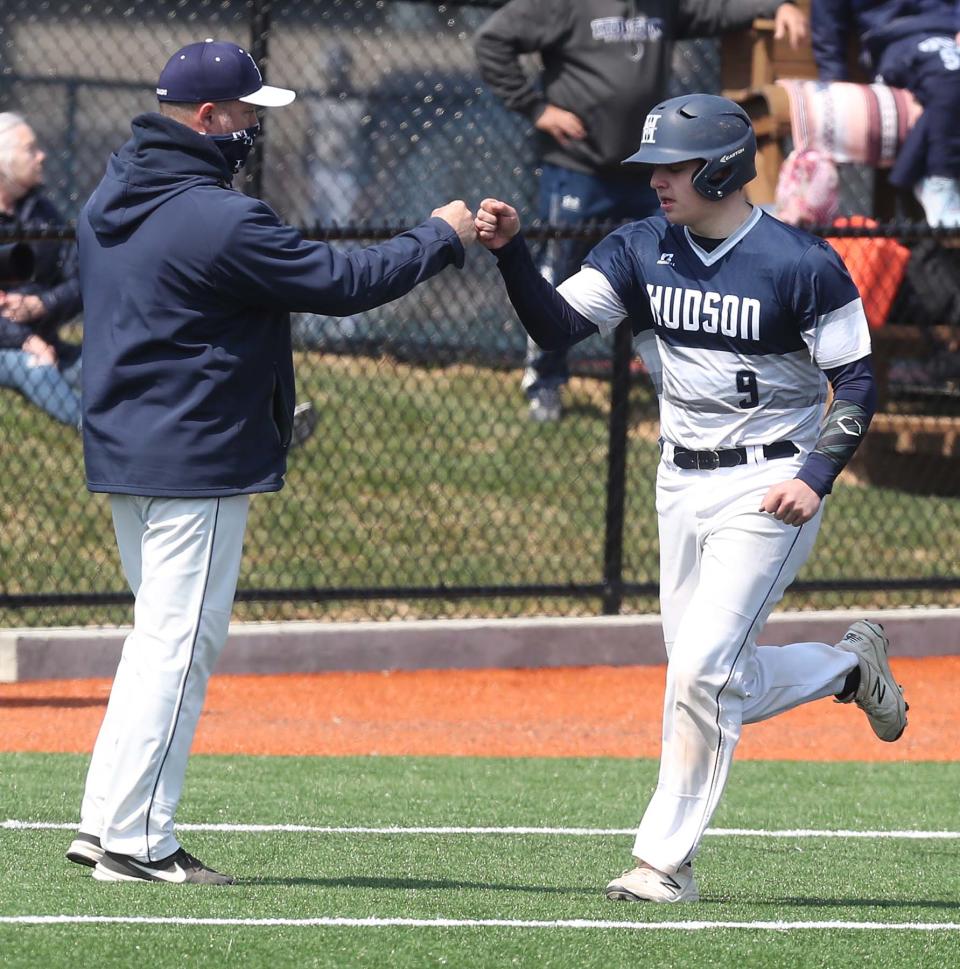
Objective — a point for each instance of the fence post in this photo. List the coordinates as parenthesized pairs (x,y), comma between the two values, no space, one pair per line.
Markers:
(617,470)
(70,146)
(259,32)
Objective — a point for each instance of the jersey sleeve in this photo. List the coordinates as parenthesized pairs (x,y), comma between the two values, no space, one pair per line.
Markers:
(828,304)
(614,261)
(590,293)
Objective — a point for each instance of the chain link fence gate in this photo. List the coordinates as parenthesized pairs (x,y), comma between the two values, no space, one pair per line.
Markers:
(424,491)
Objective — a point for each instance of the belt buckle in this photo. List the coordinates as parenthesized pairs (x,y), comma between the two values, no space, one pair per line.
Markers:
(707,460)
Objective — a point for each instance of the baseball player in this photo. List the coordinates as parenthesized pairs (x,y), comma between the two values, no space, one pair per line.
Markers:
(188,393)
(741,321)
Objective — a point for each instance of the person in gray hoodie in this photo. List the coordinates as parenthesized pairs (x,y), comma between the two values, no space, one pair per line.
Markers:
(605,64)
(188,397)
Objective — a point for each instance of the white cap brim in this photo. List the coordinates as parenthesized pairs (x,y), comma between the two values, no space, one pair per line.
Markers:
(270,97)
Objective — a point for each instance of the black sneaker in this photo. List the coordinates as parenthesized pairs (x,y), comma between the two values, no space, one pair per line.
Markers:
(178,867)
(85,849)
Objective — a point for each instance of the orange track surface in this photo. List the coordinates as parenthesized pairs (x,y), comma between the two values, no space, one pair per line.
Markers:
(583,712)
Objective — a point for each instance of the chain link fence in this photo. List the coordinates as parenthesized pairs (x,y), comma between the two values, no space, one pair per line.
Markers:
(424,491)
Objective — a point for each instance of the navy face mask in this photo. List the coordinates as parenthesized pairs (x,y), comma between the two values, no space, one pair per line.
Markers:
(235,147)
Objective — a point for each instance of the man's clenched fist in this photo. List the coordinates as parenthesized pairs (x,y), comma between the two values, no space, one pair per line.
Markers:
(496,223)
(459,218)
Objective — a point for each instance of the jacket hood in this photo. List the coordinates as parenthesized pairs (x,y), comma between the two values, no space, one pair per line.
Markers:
(161,160)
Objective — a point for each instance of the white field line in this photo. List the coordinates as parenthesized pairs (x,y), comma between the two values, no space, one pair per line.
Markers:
(18,825)
(372,922)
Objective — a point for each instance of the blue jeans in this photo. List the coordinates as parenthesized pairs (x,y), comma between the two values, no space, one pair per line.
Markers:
(51,388)
(571,198)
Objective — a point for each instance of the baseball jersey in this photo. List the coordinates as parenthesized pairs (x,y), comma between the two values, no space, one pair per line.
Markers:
(736,339)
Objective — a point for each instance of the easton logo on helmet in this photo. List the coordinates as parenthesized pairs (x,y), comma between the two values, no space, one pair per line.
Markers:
(733,154)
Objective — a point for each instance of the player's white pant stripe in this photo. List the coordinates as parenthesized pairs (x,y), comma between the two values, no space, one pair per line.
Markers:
(719,756)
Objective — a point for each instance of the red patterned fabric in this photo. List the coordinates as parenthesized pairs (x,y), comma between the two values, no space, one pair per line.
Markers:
(859,123)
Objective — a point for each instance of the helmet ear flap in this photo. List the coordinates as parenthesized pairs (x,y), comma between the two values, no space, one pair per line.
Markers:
(730,168)
(710,181)
(701,179)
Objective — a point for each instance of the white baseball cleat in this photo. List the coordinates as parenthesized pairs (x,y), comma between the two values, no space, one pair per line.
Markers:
(646,884)
(878,695)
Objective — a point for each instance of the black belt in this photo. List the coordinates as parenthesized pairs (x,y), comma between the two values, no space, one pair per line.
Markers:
(729,457)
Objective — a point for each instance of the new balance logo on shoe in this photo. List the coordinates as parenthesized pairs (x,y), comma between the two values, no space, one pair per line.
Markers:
(670,884)
(879,691)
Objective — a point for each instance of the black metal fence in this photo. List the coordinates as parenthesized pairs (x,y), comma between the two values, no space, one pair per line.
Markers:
(425,490)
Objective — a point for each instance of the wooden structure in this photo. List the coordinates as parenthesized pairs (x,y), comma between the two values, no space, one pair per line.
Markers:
(751,63)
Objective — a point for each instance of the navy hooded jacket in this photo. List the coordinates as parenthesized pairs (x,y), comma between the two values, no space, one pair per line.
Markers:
(876,24)
(187,286)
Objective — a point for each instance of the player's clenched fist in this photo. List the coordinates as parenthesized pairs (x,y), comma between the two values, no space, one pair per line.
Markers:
(497,223)
(459,218)
(793,502)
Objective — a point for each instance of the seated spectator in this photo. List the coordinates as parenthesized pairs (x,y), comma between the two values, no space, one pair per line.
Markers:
(33,359)
(909,44)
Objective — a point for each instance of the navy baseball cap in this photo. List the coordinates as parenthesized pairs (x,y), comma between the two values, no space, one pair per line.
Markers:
(216,70)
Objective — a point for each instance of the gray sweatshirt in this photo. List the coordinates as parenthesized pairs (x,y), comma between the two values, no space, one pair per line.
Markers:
(607,61)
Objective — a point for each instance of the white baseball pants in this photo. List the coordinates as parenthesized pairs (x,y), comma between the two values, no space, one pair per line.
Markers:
(181,557)
(724,565)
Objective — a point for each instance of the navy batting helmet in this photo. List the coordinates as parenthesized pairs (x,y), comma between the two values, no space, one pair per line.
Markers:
(701,126)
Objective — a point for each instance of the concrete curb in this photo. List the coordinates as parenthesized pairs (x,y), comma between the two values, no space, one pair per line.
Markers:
(309,647)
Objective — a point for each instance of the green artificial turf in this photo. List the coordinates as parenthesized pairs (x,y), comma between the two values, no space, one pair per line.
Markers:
(525,877)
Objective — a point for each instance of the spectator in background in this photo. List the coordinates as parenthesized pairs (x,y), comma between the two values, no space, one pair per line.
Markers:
(910,44)
(33,359)
(605,64)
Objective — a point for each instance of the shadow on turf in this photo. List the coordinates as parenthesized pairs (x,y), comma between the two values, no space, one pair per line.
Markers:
(424,883)
(74,702)
(910,903)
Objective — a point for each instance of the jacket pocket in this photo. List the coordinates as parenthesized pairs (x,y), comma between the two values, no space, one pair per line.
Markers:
(282,411)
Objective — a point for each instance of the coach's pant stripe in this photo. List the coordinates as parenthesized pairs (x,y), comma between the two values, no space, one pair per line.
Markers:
(183,681)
